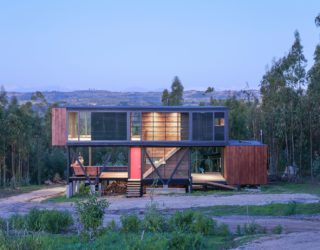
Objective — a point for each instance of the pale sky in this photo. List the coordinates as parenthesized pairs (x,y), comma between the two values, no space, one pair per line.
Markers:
(142,45)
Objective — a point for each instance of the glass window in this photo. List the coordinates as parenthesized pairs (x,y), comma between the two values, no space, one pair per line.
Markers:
(135,126)
(109,126)
(85,126)
(219,126)
(73,126)
(165,126)
(202,126)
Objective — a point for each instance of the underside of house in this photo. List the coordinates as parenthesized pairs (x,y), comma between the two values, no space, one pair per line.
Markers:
(181,147)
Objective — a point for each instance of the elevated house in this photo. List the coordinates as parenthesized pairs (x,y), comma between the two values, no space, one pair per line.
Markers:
(168,146)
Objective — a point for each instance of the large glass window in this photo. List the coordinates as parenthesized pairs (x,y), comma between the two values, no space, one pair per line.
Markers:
(202,126)
(219,126)
(206,159)
(73,126)
(109,126)
(85,126)
(162,126)
(135,120)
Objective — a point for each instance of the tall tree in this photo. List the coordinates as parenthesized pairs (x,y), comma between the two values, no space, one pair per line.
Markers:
(176,95)
(165,97)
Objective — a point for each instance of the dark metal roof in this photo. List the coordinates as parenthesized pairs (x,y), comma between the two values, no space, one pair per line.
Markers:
(149,108)
(244,143)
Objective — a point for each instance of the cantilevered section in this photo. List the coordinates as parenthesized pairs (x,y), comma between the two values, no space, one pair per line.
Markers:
(146,126)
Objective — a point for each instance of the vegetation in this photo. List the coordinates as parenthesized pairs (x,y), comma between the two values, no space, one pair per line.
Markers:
(90,213)
(175,97)
(263,210)
(51,221)
(25,152)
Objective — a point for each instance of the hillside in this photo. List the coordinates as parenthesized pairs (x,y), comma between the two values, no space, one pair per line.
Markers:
(104,97)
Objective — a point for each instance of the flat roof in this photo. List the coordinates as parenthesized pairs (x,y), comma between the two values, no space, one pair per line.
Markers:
(245,143)
(149,108)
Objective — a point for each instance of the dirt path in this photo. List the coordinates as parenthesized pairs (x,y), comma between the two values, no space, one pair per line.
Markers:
(293,241)
(24,202)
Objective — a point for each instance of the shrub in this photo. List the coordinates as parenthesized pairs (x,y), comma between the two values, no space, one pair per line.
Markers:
(84,190)
(252,228)
(203,224)
(223,230)
(17,221)
(183,241)
(130,223)
(3,224)
(112,226)
(52,221)
(33,220)
(291,208)
(239,231)
(153,221)
(91,213)
(30,242)
(277,229)
(182,221)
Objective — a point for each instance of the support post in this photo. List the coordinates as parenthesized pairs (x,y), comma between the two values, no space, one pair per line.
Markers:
(69,190)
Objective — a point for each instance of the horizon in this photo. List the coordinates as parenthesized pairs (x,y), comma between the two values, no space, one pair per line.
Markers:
(140,46)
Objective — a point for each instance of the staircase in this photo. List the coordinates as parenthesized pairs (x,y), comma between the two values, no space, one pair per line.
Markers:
(161,162)
(134,188)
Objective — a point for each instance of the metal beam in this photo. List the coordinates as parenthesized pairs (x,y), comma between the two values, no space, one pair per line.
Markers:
(177,166)
(155,169)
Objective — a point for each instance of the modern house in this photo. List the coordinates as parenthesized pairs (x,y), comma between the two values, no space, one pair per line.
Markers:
(164,145)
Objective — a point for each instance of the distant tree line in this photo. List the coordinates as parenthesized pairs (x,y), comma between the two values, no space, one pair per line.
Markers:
(287,118)
(26,155)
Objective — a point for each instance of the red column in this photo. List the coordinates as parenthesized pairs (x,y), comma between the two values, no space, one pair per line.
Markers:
(135,163)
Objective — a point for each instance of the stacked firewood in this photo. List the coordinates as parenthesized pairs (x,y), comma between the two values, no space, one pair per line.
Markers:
(115,188)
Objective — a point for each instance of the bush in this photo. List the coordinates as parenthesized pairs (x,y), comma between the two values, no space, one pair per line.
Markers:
(52,221)
(203,224)
(277,229)
(291,209)
(84,190)
(33,220)
(91,213)
(3,224)
(153,221)
(223,230)
(253,228)
(112,226)
(183,241)
(182,221)
(130,223)
(17,221)
(30,242)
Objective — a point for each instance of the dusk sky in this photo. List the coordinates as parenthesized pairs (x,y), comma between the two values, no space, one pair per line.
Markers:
(142,45)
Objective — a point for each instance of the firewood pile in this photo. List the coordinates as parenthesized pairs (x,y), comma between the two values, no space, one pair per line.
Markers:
(115,188)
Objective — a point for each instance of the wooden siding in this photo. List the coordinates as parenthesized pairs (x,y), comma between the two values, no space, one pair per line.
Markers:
(245,165)
(59,125)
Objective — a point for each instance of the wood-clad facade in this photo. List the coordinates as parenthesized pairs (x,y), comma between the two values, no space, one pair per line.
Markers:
(147,144)
(245,164)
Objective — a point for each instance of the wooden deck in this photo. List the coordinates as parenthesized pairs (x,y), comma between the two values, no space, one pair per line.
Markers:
(207,177)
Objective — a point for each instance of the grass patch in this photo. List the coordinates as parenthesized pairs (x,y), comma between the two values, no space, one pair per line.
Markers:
(308,188)
(120,240)
(63,198)
(7,192)
(264,210)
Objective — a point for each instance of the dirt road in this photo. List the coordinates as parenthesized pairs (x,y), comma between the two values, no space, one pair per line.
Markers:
(24,202)
(293,241)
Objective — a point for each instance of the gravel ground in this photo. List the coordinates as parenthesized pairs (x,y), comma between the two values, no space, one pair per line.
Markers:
(293,241)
